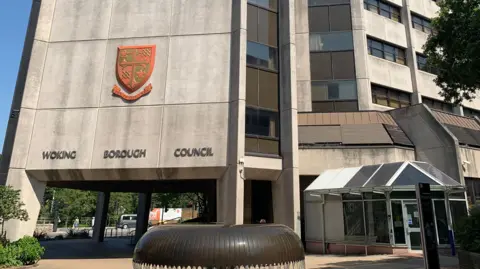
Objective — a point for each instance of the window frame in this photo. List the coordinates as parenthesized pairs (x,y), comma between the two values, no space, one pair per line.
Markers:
(392,9)
(423,65)
(389,96)
(431,104)
(395,54)
(425,24)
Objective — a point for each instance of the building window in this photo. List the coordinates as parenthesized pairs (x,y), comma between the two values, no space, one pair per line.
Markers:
(270,4)
(421,24)
(383,9)
(423,64)
(390,97)
(262,88)
(329,18)
(315,3)
(468,112)
(334,96)
(332,65)
(385,51)
(334,41)
(436,104)
(262,131)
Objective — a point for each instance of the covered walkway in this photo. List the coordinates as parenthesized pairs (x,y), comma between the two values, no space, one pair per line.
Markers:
(373,209)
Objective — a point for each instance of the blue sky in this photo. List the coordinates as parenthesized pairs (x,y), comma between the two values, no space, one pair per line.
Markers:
(14,17)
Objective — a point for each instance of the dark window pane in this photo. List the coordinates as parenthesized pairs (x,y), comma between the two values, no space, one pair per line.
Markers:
(353,221)
(268,90)
(252,23)
(271,4)
(389,97)
(343,65)
(346,106)
(340,19)
(251,144)
(322,107)
(261,55)
(377,221)
(268,146)
(321,66)
(252,87)
(334,90)
(331,41)
(318,19)
(267,27)
(251,121)
(313,3)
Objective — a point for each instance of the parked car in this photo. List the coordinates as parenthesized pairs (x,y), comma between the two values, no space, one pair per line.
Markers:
(127,221)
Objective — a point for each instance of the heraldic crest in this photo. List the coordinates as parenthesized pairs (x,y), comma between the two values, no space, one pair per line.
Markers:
(134,67)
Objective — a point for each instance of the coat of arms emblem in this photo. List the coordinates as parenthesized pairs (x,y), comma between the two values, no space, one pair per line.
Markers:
(134,67)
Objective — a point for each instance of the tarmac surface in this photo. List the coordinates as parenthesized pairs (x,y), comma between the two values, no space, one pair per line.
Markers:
(117,254)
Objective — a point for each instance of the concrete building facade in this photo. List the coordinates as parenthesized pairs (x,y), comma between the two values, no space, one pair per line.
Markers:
(247,101)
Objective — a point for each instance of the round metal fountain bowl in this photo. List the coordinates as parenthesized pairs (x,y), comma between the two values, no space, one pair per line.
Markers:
(213,246)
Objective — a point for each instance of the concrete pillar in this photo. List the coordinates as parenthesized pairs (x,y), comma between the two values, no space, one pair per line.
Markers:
(364,90)
(101,213)
(143,212)
(230,186)
(411,54)
(302,42)
(31,194)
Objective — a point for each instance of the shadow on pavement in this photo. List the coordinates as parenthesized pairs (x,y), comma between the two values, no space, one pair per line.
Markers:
(406,262)
(87,249)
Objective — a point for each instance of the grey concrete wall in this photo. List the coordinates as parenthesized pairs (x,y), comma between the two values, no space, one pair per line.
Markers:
(315,161)
(285,191)
(434,144)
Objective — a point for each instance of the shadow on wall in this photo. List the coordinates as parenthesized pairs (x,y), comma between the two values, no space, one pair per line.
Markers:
(87,249)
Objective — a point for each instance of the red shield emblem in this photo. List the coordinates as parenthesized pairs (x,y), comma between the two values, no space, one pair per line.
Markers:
(134,67)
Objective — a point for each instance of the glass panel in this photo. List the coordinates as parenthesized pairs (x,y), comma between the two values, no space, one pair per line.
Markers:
(331,41)
(251,121)
(340,19)
(376,220)
(319,91)
(322,107)
(251,144)
(321,66)
(318,21)
(261,55)
(442,224)
(252,23)
(343,65)
(351,196)
(410,176)
(267,123)
(252,86)
(267,27)
(271,4)
(413,217)
(415,241)
(383,175)
(313,3)
(353,221)
(268,90)
(268,146)
(373,196)
(458,210)
(346,106)
(398,224)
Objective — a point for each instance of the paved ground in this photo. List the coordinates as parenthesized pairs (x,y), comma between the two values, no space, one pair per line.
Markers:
(117,254)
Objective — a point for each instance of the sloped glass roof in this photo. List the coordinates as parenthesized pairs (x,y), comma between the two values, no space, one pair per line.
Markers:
(383,177)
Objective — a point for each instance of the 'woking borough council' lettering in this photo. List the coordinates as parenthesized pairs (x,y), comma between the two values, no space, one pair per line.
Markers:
(193,152)
(59,155)
(122,154)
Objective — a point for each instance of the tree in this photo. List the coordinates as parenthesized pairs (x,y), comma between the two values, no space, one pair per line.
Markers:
(454,49)
(11,206)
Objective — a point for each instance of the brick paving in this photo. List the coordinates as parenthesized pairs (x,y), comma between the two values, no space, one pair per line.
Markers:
(117,254)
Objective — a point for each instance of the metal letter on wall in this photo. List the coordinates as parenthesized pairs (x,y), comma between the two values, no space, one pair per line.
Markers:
(427,226)
(134,67)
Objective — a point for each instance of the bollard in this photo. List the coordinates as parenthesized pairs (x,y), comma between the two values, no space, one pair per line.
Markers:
(221,247)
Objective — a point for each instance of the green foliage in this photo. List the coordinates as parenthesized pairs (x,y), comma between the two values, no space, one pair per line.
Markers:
(25,251)
(467,232)
(11,206)
(454,49)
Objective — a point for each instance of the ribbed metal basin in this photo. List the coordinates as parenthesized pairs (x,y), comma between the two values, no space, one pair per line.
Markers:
(219,247)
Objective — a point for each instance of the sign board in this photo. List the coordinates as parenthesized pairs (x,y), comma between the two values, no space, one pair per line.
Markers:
(160,214)
(427,226)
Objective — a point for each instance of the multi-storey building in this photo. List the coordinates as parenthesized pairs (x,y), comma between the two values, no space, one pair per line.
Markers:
(203,95)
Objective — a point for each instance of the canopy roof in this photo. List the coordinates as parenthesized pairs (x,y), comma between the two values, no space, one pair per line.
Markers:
(400,176)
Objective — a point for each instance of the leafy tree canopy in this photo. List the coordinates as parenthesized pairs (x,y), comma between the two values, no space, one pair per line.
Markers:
(11,207)
(454,49)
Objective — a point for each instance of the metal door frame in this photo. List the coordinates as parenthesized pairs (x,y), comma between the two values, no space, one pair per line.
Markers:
(406,225)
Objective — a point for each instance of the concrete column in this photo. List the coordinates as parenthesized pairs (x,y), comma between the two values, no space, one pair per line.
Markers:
(302,42)
(230,186)
(31,194)
(364,90)
(416,97)
(101,212)
(143,212)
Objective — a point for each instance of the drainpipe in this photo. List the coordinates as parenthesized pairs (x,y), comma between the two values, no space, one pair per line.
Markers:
(323,224)
(451,237)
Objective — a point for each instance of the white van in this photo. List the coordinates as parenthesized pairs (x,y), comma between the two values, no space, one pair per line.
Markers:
(127,221)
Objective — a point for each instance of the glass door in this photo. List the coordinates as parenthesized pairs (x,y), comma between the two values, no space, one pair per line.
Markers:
(412,224)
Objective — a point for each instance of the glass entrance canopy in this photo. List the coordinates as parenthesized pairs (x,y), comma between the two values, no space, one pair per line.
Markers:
(398,176)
